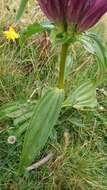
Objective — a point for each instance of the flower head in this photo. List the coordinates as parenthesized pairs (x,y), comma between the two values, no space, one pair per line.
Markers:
(53,9)
(11,34)
(11,139)
(81,13)
(85,13)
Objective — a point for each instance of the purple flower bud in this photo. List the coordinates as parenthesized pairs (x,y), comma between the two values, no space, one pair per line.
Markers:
(53,9)
(85,13)
(81,13)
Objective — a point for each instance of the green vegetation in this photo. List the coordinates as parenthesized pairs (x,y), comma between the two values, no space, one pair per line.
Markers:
(79,141)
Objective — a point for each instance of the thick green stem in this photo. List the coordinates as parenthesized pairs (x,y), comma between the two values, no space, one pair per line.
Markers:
(63,56)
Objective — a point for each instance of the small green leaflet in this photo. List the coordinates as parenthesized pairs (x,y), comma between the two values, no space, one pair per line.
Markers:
(35,28)
(44,118)
(32,29)
(84,96)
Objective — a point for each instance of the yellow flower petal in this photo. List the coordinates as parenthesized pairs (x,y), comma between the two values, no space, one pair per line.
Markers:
(11,34)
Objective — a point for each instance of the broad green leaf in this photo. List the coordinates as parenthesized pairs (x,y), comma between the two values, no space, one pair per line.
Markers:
(102,60)
(45,116)
(98,48)
(21,8)
(88,45)
(18,130)
(93,44)
(16,110)
(19,114)
(8,109)
(84,96)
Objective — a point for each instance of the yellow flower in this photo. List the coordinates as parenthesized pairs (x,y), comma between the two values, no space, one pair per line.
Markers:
(11,34)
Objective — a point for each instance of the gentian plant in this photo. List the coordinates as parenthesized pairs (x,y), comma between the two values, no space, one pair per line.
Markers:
(69,22)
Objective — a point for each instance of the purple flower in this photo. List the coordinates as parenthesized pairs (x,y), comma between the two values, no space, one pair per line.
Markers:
(85,13)
(81,13)
(53,9)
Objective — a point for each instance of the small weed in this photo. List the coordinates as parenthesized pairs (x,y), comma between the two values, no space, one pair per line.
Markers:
(80,160)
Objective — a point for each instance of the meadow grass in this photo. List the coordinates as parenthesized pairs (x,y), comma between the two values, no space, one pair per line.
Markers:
(80,157)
